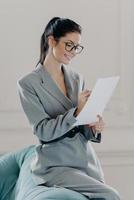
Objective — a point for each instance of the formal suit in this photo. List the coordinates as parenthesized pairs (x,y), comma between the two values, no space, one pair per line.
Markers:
(65,156)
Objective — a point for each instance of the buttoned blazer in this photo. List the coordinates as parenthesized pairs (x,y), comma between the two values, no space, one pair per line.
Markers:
(49,112)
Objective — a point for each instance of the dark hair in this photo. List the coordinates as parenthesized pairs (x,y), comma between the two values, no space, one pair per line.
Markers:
(57,27)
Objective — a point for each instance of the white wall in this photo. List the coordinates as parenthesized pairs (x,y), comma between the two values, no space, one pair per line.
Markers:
(109,45)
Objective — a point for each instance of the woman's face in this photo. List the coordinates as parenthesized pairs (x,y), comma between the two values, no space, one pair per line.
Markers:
(64,50)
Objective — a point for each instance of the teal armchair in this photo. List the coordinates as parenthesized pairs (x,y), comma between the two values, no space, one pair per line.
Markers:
(16,182)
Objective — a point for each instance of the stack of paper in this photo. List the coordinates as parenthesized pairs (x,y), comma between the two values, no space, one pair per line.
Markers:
(97,101)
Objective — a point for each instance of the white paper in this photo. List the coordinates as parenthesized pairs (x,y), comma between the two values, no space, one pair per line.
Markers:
(97,101)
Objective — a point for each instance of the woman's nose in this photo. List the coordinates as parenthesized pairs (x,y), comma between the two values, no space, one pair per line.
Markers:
(73,51)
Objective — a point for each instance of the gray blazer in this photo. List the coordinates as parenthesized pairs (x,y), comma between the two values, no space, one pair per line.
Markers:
(51,116)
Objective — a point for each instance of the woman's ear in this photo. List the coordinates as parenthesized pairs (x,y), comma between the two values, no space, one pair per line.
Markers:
(51,41)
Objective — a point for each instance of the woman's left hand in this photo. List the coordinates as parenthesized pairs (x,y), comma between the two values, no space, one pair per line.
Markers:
(97,126)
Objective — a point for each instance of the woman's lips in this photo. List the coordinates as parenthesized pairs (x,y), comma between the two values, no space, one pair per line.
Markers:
(68,57)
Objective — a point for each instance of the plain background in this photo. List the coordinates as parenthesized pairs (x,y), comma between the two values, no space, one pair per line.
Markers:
(108,38)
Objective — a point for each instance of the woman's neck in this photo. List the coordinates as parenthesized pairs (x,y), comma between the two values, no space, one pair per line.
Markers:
(52,65)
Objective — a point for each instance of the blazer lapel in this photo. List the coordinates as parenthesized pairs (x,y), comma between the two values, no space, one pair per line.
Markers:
(49,84)
(72,85)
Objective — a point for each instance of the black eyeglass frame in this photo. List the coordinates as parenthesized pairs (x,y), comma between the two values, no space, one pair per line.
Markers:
(73,47)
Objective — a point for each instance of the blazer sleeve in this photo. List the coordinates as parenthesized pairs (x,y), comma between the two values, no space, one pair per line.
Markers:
(47,129)
(88,132)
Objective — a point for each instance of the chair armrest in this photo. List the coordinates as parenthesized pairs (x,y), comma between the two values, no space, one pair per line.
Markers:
(10,164)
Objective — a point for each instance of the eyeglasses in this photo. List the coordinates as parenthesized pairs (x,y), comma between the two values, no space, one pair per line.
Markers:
(69,46)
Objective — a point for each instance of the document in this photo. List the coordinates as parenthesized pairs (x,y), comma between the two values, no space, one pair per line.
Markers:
(97,101)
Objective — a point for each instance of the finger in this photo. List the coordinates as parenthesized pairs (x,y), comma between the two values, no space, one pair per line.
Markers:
(90,91)
(99,127)
(101,123)
(100,117)
(93,129)
(86,96)
(86,92)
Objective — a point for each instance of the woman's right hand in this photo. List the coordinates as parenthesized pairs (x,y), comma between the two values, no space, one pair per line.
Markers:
(82,99)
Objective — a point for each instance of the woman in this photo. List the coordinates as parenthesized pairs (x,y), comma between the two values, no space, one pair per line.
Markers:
(52,95)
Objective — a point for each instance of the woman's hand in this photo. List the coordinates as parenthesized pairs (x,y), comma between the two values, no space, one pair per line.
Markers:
(82,99)
(97,126)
